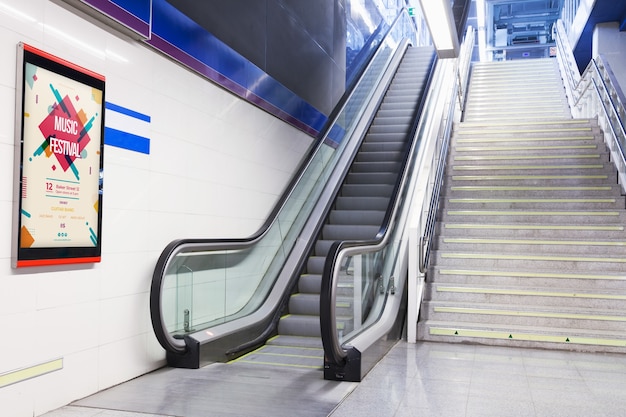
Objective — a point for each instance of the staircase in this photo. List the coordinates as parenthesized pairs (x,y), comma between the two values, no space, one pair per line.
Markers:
(531,247)
(357,214)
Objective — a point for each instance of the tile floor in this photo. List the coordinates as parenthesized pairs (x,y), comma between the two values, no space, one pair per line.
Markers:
(434,379)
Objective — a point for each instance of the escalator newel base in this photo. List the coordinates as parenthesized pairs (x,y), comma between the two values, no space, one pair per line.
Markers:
(349,370)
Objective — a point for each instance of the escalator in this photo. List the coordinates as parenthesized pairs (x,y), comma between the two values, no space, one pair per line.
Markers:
(357,213)
(257,300)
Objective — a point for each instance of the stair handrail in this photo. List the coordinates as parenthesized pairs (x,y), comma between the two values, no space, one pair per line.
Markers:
(596,94)
(461,71)
(178,345)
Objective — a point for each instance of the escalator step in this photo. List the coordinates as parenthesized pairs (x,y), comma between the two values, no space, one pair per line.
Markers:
(371,178)
(362,203)
(364,190)
(357,217)
(349,232)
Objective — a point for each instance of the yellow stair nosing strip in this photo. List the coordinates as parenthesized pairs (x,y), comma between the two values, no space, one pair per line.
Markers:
(527,337)
(509,131)
(530,213)
(532,227)
(569,121)
(518,313)
(531,200)
(514,257)
(510,291)
(527,177)
(528,139)
(525,167)
(527,274)
(522,148)
(522,157)
(528,188)
(532,242)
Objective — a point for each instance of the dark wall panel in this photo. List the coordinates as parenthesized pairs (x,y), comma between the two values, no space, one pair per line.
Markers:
(299,43)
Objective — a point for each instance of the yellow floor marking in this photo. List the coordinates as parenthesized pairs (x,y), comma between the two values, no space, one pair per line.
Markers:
(19,375)
(533,227)
(529,337)
(531,242)
(543,314)
(513,257)
(531,200)
(529,293)
(523,274)
(289,365)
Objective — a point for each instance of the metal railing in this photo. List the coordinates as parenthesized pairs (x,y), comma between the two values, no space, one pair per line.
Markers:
(595,94)
(422,227)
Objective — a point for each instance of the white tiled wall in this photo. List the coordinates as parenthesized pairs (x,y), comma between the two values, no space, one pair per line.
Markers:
(215,169)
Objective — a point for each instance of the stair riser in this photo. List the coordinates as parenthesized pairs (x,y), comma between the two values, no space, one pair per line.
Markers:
(529,264)
(423,335)
(532,249)
(515,192)
(494,232)
(514,320)
(506,204)
(522,217)
(503,279)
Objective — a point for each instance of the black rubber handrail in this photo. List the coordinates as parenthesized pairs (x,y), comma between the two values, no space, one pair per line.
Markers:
(333,352)
(178,346)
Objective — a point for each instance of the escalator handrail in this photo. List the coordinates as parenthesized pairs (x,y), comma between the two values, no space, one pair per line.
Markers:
(178,346)
(332,348)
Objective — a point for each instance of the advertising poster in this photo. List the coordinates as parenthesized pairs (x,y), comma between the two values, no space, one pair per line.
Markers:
(60,141)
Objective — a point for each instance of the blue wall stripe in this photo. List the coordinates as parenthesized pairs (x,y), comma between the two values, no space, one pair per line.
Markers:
(127,112)
(125,140)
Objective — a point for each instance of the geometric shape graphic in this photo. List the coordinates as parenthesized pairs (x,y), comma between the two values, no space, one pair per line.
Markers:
(26,239)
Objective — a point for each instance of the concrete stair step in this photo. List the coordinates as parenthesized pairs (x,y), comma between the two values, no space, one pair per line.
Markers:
(506,276)
(530,158)
(536,191)
(532,246)
(581,217)
(522,147)
(531,230)
(542,315)
(588,298)
(529,262)
(532,203)
(549,180)
(586,169)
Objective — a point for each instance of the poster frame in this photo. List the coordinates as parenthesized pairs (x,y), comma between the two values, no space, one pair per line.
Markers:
(57,253)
